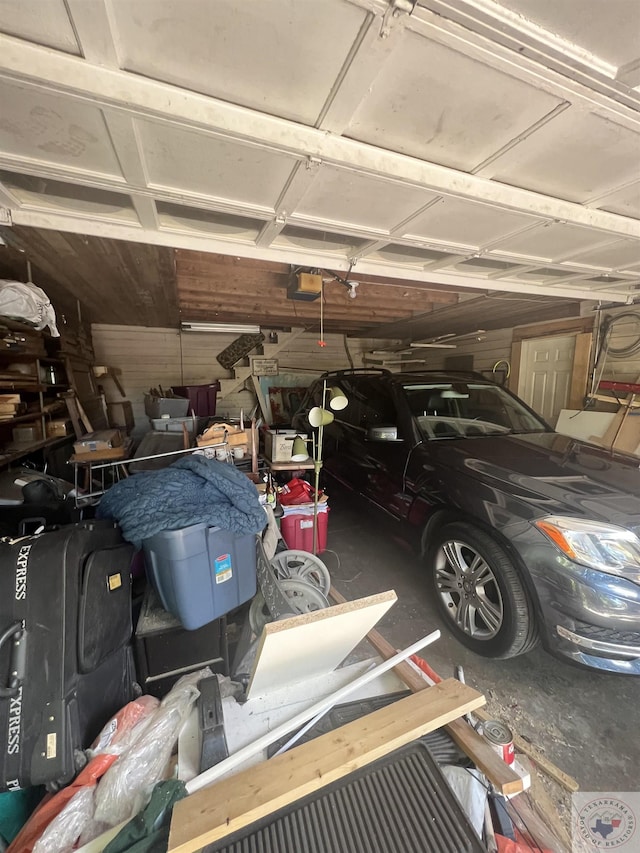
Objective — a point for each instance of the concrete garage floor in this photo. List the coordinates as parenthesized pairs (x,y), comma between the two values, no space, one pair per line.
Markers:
(585,722)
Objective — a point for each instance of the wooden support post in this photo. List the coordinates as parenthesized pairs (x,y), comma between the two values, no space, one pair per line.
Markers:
(263,401)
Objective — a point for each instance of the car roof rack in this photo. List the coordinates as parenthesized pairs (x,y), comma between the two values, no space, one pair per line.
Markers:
(349,371)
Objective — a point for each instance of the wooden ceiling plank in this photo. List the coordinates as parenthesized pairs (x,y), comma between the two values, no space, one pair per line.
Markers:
(199,263)
(401,306)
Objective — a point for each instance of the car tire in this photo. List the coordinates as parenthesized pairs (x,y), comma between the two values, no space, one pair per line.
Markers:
(479,592)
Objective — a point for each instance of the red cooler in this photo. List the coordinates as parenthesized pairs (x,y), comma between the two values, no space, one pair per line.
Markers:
(297,531)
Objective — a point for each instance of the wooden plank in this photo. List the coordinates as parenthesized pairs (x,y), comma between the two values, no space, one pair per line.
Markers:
(470,742)
(72,408)
(580,370)
(575,324)
(542,804)
(234,803)
(311,644)
(543,763)
(265,408)
(516,360)
(536,829)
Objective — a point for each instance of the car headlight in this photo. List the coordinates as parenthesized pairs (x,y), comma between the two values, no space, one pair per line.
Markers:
(600,546)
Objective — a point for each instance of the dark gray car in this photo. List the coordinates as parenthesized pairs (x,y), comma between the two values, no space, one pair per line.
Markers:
(526,534)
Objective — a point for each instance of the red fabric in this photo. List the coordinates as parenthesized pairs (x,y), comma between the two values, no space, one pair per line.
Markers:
(52,804)
(296,492)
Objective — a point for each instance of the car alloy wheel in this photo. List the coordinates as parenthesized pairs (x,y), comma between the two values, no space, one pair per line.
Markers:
(469,590)
(480,592)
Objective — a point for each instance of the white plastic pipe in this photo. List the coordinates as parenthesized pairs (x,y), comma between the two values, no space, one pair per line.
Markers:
(214,773)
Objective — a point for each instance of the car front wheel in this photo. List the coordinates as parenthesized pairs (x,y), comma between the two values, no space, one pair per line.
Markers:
(479,592)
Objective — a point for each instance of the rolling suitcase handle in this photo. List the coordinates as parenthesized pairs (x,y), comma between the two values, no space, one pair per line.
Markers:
(18,659)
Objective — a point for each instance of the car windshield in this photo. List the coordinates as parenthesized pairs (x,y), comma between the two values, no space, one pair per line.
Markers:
(468,410)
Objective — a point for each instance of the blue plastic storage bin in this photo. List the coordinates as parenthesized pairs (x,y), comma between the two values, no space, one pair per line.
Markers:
(201,573)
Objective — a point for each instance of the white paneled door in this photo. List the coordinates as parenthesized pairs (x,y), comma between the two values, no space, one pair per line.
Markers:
(545,374)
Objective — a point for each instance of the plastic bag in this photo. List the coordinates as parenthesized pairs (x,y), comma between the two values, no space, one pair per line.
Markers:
(25,301)
(126,787)
(106,748)
(62,833)
(113,736)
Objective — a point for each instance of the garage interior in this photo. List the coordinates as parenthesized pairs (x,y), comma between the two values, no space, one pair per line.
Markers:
(363,183)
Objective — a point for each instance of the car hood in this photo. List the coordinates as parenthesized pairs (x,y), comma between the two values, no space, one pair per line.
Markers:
(554,472)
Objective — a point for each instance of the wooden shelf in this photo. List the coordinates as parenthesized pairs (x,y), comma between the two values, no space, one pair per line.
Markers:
(30,416)
(289,466)
(13,452)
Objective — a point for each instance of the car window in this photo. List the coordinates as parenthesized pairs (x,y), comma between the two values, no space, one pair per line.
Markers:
(370,403)
(468,410)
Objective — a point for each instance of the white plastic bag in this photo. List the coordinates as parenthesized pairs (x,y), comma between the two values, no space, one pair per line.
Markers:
(127,785)
(25,301)
(64,830)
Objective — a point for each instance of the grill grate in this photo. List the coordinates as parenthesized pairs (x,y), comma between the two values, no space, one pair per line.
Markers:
(399,804)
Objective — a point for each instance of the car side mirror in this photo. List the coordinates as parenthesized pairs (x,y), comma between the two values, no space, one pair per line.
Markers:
(383,433)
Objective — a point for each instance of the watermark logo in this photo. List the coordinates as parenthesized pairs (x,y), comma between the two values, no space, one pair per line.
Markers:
(605,821)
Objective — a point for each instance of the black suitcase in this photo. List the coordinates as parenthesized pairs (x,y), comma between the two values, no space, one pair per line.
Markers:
(66,664)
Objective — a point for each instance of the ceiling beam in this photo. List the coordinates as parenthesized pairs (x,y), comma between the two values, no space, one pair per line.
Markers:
(118,90)
(289,254)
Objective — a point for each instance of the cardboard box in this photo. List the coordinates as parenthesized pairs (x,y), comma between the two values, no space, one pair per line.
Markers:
(58,428)
(98,442)
(221,433)
(278,444)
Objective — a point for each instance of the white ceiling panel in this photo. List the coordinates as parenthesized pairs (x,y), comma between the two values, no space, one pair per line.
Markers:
(551,241)
(581,22)
(577,156)
(452,220)
(412,255)
(435,103)
(176,217)
(316,241)
(44,193)
(280,57)
(543,274)
(626,202)
(180,158)
(44,23)
(51,129)
(342,196)
(617,255)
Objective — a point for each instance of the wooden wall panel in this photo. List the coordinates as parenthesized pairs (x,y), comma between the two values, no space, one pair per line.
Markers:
(226,289)
(155,356)
(495,346)
(115,281)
